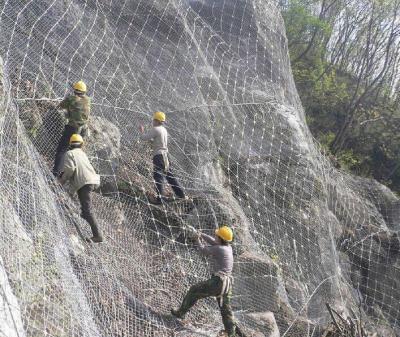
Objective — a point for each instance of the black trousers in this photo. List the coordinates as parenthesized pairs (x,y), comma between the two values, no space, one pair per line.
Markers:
(159,174)
(62,148)
(85,199)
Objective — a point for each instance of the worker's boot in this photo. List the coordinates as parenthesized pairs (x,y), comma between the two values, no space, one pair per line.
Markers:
(176,198)
(96,239)
(176,313)
(154,200)
(238,332)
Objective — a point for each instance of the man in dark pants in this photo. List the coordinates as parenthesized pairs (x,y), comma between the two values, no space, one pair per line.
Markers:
(158,135)
(78,110)
(220,283)
(83,179)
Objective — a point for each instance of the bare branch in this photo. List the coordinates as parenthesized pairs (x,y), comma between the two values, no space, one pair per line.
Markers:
(372,120)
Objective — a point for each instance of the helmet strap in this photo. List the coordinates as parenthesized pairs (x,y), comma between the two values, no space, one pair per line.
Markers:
(75,145)
(223,242)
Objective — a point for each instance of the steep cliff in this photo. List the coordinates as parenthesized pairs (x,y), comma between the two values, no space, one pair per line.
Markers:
(306,234)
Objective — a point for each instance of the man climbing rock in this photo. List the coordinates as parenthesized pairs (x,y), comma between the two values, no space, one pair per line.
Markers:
(158,135)
(83,179)
(219,250)
(78,110)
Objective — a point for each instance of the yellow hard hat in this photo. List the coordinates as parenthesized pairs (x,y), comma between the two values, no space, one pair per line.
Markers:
(80,86)
(225,233)
(159,116)
(76,139)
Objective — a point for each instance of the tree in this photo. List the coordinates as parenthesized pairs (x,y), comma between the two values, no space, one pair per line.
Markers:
(345,60)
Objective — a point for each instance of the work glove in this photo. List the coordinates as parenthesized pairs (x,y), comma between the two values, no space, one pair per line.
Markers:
(192,232)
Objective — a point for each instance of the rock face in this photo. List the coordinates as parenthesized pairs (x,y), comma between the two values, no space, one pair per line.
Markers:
(10,310)
(305,233)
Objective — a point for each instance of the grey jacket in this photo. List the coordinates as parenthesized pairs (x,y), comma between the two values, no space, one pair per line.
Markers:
(158,135)
(78,170)
(221,256)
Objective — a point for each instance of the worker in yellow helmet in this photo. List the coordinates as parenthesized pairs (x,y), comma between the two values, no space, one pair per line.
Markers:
(83,180)
(219,250)
(158,135)
(77,108)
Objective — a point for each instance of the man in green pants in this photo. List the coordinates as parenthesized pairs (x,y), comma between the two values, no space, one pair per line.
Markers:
(78,110)
(220,284)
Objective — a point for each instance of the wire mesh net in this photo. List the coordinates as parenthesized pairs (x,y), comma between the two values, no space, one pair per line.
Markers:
(306,233)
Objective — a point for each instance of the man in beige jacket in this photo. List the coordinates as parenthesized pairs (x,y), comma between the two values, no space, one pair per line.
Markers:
(83,180)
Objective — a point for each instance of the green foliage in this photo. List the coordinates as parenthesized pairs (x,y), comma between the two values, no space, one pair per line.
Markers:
(349,160)
(372,146)
(301,24)
(326,139)
(323,94)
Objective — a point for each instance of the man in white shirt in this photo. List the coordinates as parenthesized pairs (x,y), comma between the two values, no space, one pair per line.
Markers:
(158,135)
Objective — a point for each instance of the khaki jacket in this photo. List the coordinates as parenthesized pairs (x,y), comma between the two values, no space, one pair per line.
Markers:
(78,170)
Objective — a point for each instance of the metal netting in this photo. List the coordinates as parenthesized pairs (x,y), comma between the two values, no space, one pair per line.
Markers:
(306,233)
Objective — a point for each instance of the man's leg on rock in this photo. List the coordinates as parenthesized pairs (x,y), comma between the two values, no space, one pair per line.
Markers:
(158,175)
(85,199)
(227,315)
(196,292)
(62,148)
(175,185)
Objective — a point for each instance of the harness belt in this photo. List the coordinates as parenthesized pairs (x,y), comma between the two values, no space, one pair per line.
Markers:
(227,282)
(166,162)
